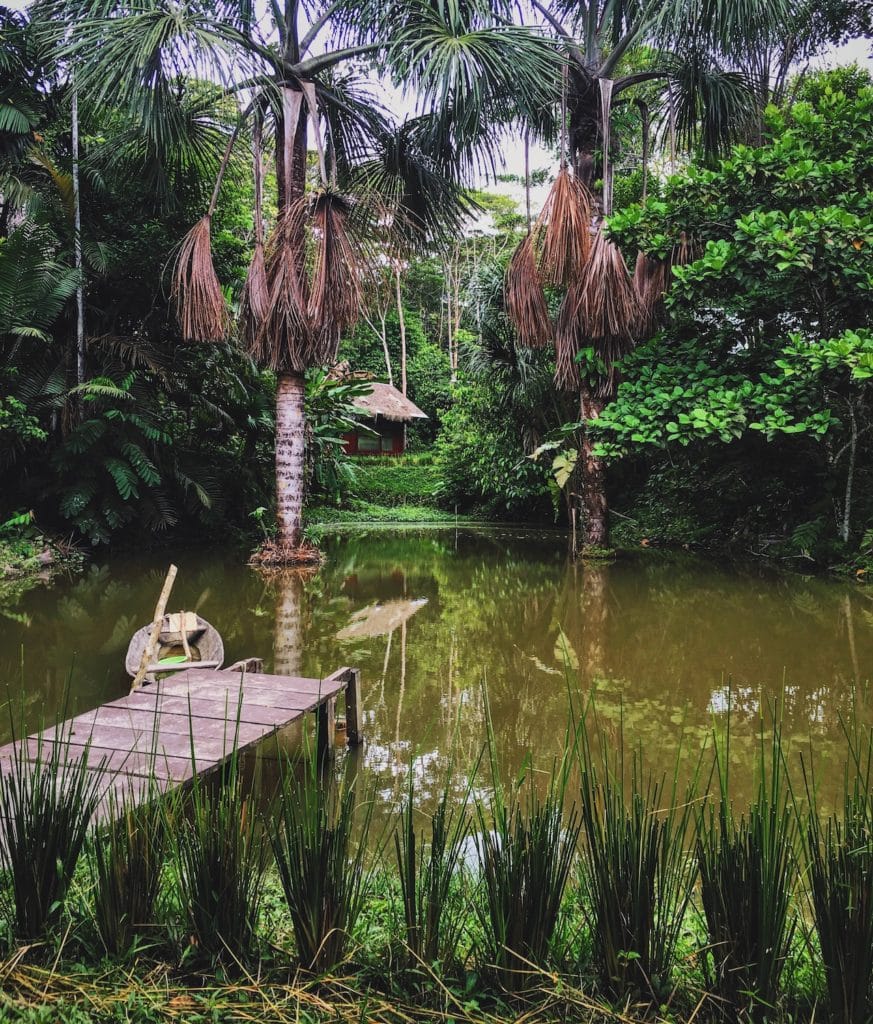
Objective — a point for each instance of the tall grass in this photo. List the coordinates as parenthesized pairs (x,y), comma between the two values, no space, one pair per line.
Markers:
(431,873)
(47,800)
(636,875)
(748,867)
(839,855)
(319,843)
(527,846)
(127,860)
(218,859)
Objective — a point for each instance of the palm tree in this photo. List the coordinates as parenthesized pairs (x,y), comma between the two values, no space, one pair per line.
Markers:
(300,79)
(689,60)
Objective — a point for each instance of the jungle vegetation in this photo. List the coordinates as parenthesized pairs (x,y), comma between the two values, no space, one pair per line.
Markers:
(203,208)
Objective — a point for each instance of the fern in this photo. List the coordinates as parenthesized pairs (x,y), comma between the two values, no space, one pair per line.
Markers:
(124,476)
(806,535)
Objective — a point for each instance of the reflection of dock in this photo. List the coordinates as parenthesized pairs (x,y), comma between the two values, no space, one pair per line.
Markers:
(192,722)
(380,619)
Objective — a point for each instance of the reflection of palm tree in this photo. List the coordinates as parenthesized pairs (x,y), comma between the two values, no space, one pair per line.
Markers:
(289,586)
(584,614)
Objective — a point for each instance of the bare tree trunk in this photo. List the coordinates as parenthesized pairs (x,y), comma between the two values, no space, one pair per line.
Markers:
(290,445)
(402,321)
(595,531)
(77,246)
(845,528)
(384,337)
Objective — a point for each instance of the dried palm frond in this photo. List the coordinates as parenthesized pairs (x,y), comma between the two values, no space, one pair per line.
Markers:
(524,297)
(565,227)
(650,284)
(282,340)
(316,263)
(684,251)
(600,310)
(335,296)
(196,290)
(255,300)
(569,339)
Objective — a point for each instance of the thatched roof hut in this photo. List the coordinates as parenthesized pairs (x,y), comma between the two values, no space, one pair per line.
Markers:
(388,403)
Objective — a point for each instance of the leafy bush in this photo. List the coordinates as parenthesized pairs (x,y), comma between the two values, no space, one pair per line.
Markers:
(396,481)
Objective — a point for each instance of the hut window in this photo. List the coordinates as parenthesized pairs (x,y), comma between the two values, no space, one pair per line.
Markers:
(368,442)
(387,443)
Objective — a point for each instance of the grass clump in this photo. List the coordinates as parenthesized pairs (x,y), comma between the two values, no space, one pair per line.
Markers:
(127,861)
(748,869)
(839,854)
(218,859)
(430,873)
(319,844)
(48,796)
(636,875)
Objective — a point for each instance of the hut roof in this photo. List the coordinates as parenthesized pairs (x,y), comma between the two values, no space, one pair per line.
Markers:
(389,403)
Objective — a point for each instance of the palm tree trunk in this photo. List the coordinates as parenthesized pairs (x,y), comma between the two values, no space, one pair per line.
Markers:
(290,445)
(595,508)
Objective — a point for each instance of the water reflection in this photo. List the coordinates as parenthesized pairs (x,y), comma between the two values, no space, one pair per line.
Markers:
(432,616)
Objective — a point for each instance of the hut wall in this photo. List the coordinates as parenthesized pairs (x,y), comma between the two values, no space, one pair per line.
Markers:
(390,440)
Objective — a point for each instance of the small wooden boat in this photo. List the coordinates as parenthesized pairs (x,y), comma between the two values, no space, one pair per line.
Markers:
(205,648)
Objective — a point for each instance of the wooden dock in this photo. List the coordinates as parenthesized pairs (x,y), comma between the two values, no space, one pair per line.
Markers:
(191,722)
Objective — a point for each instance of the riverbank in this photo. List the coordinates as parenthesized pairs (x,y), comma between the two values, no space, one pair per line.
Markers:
(29,557)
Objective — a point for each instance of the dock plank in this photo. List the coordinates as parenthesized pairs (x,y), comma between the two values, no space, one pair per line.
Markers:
(188,723)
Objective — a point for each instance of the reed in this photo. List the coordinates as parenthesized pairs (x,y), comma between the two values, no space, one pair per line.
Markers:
(748,868)
(319,843)
(430,872)
(48,795)
(839,859)
(218,860)
(636,875)
(126,864)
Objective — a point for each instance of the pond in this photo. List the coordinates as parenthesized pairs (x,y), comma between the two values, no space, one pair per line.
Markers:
(435,617)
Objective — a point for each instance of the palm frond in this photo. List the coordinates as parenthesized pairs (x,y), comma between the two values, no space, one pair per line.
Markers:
(525,299)
(565,226)
(601,310)
(202,310)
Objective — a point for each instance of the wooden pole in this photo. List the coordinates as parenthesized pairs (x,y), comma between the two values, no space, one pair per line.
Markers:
(354,735)
(160,608)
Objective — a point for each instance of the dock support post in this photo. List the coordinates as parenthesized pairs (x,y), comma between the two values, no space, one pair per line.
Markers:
(324,724)
(354,735)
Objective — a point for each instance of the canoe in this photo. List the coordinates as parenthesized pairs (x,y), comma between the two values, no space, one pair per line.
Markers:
(204,641)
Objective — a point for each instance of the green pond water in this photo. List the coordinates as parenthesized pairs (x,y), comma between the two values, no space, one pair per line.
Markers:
(433,616)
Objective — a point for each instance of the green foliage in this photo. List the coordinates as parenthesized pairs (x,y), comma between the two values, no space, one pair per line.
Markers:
(397,480)
(330,413)
(767,327)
